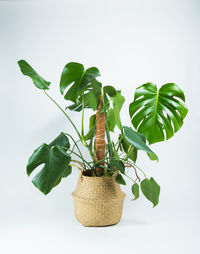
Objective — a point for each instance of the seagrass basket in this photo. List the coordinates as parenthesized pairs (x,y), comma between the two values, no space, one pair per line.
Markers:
(98,201)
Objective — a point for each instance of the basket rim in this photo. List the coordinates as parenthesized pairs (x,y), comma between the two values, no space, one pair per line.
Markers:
(122,197)
(98,177)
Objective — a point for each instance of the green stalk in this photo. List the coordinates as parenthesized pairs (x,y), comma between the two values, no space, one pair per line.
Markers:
(81,156)
(78,133)
(84,161)
(82,120)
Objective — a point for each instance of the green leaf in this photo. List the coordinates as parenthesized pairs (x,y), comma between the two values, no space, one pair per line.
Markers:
(61,140)
(56,163)
(67,171)
(119,165)
(91,100)
(135,191)
(38,81)
(110,90)
(90,74)
(111,119)
(74,73)
(75,107)
(153,156)
(158,114)
(136,139)
(125,146)
(119,179)
(118,102)
(92,122)
(151,190)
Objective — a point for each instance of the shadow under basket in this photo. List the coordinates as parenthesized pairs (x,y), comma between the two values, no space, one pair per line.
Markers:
(98,201)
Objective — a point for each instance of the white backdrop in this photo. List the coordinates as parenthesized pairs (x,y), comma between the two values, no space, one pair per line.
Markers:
(131,42)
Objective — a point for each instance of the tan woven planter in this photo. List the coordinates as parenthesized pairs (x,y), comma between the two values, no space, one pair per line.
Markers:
(98,201)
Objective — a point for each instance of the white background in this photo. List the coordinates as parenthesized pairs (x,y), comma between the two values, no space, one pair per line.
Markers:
(131,42)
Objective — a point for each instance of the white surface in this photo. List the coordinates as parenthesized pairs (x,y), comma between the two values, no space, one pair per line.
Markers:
(131,42)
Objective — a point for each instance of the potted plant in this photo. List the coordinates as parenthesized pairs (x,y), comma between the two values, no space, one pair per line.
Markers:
(155,116)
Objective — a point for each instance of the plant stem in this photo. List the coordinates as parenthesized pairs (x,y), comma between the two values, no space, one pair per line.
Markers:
(82,120)
(140,170)
(128,152)
(130,178)
(81,158)
(78,133)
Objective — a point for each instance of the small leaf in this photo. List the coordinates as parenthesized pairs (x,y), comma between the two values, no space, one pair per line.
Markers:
(110,90)
(92,121)
(151,190)
(136,139)
(38,81)
(111,119)
(75,107)
(118,102)
(119,179)
(153,156)
(125,146)
(119,165)
(135,191)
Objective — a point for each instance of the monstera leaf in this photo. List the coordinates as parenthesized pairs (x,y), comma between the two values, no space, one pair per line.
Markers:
(56,163)
(75,75)
(27,70)
(158,114)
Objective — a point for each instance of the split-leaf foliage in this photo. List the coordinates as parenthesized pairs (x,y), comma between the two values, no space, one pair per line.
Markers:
(155,115)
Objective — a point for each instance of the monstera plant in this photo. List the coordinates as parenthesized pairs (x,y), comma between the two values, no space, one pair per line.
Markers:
(155,115)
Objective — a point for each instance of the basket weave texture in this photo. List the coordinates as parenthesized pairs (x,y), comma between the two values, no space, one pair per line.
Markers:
(98,201)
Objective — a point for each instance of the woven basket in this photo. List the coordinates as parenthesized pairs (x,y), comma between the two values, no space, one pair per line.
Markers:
(98,201)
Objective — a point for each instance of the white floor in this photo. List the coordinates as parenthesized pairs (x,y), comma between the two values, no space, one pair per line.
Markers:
(145,231)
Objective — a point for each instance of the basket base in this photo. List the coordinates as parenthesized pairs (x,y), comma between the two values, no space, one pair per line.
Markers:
(92,213)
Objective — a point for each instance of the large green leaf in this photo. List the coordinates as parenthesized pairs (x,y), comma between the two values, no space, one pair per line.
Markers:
(158,114)
(27,70)
(136,139)
(74,73)
(151,190)
(56,163)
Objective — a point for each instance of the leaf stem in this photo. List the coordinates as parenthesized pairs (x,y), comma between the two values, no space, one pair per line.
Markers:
(78,133)
(82,120)
(139,169)
(81,156)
